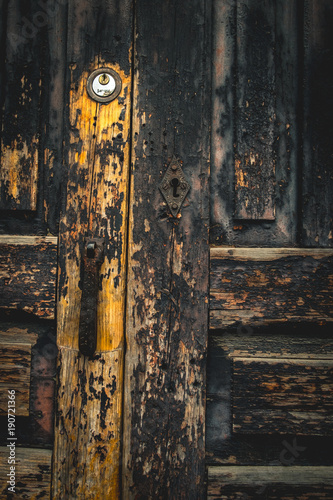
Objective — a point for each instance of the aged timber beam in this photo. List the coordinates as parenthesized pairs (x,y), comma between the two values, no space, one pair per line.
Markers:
(164,412)
(86,460)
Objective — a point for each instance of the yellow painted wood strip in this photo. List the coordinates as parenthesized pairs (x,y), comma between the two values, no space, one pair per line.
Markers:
(86,460)
(88,426)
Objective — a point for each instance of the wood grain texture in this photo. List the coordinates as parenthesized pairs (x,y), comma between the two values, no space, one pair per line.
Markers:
(33,474)
(276,482)
(317,182)
(279,147)
(28,267)
(87,444)
(282,395)
(290,347)
(255,157)
(20,119)
(97,155)
(164,419)
(34,429)
(15,369)
(259,286)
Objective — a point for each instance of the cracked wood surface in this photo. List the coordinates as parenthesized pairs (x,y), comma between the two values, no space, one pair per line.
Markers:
(262,286)
(88,421)
(164,407)
(28,268)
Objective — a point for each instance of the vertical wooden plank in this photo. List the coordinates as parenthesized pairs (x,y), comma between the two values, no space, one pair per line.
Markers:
(223,120)
(20,120)
(88,421)
(53,87)
(317,189)
(235,117)
(255,159)
(164,407)
(286,121)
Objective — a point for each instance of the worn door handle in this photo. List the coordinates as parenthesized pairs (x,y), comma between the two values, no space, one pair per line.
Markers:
(92,259)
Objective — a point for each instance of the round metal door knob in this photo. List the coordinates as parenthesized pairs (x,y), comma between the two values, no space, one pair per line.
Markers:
(104,85)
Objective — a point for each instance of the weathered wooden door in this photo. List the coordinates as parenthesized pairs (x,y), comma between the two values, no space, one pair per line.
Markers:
(128,420)
(270,358)
(75,173)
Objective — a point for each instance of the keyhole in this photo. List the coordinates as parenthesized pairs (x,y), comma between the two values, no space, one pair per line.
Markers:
(175,183)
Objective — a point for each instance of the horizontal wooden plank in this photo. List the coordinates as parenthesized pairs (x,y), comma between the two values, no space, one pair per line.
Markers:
(281,344)
(32,473)
(267,254)
(15,371)
(262,286)
(15,368)
(28,268)
(283,396)
(275,482)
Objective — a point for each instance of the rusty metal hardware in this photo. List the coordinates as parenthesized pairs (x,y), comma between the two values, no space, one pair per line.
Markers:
(174,186)
(104,85)
(92,259)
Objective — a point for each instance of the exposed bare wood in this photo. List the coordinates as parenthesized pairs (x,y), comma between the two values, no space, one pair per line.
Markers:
(255,158)
(276,482)
(262,286)
(88,422)
(283,395)
(20,122)
(28,267)
(32,473)
(15,371)
(164,411)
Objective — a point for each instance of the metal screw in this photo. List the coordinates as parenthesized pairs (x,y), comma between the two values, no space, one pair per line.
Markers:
(174,206)
(165,186)
(104,79)
(174,167)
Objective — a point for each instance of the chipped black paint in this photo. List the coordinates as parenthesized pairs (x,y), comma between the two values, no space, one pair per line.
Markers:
(167,313)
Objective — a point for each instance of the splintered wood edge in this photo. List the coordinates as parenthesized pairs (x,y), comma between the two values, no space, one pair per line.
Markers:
(267,254)
(12,239)
(262,475)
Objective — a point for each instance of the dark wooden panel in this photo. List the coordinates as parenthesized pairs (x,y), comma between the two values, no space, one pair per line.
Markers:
(297,344)
(20,120)
(53,173)
(247,483)
(282,396)
(28,267)
(35,428)
(168,257)
(32,473)
(15,369)
(255,158)
(261,286)
(282,149)
(317,192)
